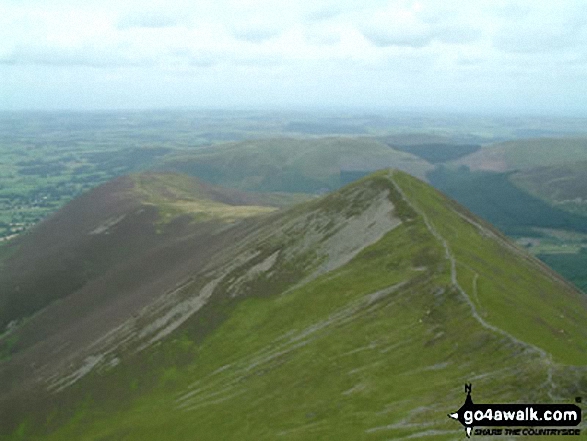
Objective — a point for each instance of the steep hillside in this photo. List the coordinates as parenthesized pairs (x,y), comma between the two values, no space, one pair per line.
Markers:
(129,221)
(358,315)
(563,185)
(494,197)
(544,208)
(292,165)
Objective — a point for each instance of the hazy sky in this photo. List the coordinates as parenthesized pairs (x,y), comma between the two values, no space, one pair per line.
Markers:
(471,55)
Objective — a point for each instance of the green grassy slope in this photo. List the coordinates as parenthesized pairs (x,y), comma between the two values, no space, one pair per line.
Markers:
(526,153)
(376,349)
(543,208)
(562,185)
(291,165)
(510,289)
(175,194)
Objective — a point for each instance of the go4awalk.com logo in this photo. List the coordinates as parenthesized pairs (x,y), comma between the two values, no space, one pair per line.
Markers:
(517,419)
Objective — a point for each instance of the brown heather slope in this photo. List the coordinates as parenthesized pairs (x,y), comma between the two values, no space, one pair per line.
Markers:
(169,268)
(102,258)
(98,231)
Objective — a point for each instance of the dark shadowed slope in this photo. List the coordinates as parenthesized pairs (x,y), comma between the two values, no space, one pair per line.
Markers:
(354,316)
(563,185)
(134,223)
(494,197)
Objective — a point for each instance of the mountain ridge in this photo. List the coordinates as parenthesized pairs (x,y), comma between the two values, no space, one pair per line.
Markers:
(289,334)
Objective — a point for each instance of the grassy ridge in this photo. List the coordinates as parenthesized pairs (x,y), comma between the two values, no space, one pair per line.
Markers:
(374,350)
(175,195)
(531,204)
(320,363)
(514,291)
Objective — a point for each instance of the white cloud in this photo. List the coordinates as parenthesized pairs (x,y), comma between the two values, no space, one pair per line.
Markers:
(255,32)
(147,20)
(543,30)
(407,50)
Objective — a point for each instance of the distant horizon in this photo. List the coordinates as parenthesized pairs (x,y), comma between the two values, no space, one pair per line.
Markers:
(308,110)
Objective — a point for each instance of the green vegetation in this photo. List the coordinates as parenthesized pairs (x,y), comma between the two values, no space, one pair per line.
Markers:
(376,349)
(127,218)
(49,159)
(564,186)
(175,195)
(527,153)
(513,291)
(291,165)
(493,197)
(573,266)
(530,207)
(6,347)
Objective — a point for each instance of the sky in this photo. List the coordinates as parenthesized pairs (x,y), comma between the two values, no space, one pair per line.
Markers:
(488,56)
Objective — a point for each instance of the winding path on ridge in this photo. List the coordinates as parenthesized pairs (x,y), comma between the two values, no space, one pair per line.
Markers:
(545,356)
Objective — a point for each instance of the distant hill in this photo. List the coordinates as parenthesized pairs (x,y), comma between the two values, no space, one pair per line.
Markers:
(292,165)
(357,315)
(525,154)
(435,153)
(565,188)
(494,197)
(563,185)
